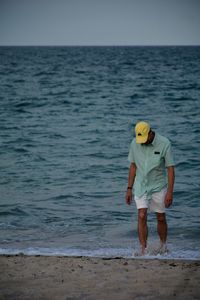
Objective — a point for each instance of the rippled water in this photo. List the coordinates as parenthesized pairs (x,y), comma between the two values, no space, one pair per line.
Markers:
(66,121)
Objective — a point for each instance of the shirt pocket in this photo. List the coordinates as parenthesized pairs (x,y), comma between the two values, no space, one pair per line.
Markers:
(156,159)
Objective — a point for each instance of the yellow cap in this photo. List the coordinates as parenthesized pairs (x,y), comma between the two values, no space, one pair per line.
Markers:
(142,130)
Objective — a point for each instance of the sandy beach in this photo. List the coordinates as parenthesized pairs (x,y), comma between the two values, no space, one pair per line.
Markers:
(72,278)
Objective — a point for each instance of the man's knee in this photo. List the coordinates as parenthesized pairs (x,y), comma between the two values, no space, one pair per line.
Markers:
(161,217)
(142,215)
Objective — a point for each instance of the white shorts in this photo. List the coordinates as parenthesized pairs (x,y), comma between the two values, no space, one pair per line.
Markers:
(155,202)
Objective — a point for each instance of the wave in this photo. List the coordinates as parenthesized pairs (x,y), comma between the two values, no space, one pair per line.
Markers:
(107,253)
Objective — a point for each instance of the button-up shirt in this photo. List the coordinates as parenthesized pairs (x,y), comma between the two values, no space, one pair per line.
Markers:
(151,162)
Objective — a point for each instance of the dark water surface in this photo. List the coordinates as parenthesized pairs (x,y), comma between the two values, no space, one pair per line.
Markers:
(66,121)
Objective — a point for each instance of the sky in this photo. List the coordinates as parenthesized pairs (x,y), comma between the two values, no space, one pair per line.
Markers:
(100,22)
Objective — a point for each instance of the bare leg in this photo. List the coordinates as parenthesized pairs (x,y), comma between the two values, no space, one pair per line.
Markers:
(142,228)
(162,228)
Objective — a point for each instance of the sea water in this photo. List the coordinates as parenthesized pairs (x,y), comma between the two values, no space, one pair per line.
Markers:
(66,122)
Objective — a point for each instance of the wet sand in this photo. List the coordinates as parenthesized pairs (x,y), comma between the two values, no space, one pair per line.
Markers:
(78,278)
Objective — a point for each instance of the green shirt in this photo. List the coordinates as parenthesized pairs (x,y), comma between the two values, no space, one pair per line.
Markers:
(151,162)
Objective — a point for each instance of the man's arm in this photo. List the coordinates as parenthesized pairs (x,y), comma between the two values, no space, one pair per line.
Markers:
(131,179)
(170,186)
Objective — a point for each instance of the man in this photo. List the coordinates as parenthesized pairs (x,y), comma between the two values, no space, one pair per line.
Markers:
(150,155)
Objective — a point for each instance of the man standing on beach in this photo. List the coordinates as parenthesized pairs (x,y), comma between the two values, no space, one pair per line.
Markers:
(150,155)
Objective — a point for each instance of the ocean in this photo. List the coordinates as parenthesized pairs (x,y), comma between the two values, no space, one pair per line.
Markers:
(67,118)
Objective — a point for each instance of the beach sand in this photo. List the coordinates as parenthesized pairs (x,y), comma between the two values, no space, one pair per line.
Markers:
(78,278)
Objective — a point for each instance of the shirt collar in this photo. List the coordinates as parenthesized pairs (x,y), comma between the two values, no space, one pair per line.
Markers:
(154,140)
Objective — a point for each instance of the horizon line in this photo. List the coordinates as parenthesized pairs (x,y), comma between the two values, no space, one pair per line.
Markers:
(103,45)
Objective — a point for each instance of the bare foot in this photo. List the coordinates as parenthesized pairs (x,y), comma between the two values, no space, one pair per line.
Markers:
(141,252)
(160,250)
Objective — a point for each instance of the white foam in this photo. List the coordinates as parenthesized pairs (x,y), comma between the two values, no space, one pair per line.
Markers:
(102,252)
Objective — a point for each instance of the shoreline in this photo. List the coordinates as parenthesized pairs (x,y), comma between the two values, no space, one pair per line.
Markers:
(129,252)
(101,257)
(81,277)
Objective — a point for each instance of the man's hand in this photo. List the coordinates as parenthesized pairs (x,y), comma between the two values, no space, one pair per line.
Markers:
(131,179)
(129,196)
(168,199)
